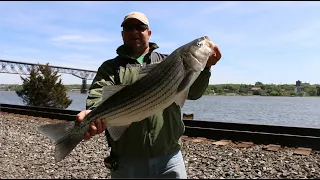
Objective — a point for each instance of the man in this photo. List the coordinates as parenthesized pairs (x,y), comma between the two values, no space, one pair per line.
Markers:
(149,148)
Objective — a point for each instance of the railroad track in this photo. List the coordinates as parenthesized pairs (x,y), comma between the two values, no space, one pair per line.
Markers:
(258,134)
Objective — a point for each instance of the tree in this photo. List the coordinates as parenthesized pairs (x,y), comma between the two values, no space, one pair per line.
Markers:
(318,90)
(293,94)
(258,84)
(44,88)
(243,89)
(256,92)
(217,89)
(275,93)
(312,91)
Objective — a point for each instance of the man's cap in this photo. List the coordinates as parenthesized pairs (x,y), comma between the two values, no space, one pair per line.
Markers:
(136,15)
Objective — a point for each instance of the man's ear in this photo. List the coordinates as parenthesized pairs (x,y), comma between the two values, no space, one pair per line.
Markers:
(149,33)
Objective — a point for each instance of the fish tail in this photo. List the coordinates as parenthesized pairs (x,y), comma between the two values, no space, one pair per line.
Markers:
(63,137)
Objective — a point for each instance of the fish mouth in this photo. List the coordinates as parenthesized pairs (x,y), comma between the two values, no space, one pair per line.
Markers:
(207,38)
(209,43)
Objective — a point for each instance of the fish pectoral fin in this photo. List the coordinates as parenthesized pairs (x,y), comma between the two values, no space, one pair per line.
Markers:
(187,81)
(181,98)
(116,131)
(184,87)
(108,91)
(146,69)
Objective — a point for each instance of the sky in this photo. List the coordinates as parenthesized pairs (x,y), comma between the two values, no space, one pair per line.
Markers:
(270,42)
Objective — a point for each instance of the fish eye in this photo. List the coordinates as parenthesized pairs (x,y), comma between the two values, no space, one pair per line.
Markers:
(199,43)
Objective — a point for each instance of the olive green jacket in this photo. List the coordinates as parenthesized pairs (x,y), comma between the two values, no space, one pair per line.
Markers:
(156,135)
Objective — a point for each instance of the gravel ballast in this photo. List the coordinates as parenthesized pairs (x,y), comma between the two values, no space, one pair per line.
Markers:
(24,153)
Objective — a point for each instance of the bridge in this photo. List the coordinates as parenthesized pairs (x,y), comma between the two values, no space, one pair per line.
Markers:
(24,68)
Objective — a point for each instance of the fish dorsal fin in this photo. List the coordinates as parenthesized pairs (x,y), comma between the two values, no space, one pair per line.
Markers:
(146,69)
(181,98)
(108,91)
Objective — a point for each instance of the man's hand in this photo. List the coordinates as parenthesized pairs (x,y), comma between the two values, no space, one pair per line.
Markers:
(95,128)
(215,57)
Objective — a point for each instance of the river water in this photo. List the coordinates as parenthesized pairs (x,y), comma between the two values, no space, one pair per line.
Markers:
(283,111)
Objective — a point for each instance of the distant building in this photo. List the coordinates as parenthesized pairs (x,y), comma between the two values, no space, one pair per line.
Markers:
(255,89)
(297,89)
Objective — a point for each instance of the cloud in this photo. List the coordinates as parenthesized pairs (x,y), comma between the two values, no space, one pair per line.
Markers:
(165,46)
(219,7)
(81,61)
(11,49)
(81,39)
(224,74)
(53,18)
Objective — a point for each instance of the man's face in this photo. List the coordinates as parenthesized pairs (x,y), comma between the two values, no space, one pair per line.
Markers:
(135,34)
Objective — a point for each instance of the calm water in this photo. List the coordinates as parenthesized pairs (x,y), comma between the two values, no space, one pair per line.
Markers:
(285,111)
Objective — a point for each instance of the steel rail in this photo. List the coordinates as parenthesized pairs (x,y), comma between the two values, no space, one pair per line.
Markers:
(259,134)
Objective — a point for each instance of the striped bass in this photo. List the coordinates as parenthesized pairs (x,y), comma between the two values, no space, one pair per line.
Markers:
(158,86)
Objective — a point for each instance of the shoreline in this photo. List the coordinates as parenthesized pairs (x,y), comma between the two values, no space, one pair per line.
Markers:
(258,96)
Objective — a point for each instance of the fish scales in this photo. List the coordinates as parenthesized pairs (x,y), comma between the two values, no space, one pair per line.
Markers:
(133,94)
(161,80)
(154,94)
